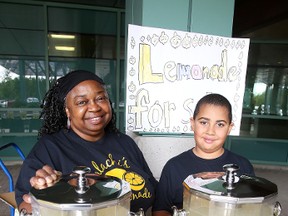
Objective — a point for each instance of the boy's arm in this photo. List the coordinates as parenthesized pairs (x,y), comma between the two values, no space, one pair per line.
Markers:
(161,213)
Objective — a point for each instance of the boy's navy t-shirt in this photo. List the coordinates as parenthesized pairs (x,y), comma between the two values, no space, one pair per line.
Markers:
(170,187)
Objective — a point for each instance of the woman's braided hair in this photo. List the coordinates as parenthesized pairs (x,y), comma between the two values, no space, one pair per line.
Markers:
(54,116)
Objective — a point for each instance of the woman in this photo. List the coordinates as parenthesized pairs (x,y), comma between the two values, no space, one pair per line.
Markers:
(79,129)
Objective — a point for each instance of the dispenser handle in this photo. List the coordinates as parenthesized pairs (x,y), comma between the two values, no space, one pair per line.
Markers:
(231,172)
(82,183)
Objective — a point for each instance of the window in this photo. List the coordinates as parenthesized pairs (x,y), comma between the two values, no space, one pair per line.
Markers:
(36,50)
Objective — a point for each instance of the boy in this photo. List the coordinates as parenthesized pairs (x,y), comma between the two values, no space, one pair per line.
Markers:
(211,123)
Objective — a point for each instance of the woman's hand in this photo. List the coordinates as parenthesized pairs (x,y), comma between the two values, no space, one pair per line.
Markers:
(45,177)
(26,205)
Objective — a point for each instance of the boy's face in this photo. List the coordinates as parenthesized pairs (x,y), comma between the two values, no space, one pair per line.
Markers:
(211,127)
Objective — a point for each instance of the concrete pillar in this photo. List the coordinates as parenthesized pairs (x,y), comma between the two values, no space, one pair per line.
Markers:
(201,16)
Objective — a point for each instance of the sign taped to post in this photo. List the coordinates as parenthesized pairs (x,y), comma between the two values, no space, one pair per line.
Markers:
(168,71)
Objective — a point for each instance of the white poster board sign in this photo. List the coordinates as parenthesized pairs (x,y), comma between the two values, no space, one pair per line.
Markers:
(168,71)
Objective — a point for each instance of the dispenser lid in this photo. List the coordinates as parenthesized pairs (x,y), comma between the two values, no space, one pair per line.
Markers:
(94,191)
(246,189)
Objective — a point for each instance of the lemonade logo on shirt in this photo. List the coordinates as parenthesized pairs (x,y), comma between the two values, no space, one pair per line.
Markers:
(136,181)
(109,162)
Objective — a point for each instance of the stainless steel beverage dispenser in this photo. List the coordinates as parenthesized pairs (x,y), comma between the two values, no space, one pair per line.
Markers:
(228,195)
(83,194)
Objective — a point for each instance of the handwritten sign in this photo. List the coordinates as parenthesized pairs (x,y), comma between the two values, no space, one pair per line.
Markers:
(168,71)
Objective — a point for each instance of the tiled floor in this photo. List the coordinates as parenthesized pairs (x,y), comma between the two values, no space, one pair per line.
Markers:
(278,175)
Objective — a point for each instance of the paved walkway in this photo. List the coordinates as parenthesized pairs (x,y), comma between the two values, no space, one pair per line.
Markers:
(278,175)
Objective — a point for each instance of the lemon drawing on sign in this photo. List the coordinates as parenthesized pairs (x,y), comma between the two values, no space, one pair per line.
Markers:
(116,172)
(136,181)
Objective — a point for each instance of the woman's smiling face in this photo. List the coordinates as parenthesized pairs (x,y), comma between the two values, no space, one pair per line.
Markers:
(89,110)
(211,127)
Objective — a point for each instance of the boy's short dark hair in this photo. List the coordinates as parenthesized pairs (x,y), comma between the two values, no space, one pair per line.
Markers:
(214,99)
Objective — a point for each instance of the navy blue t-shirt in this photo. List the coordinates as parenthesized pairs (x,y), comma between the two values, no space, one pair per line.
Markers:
(114,155)
(170,188)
